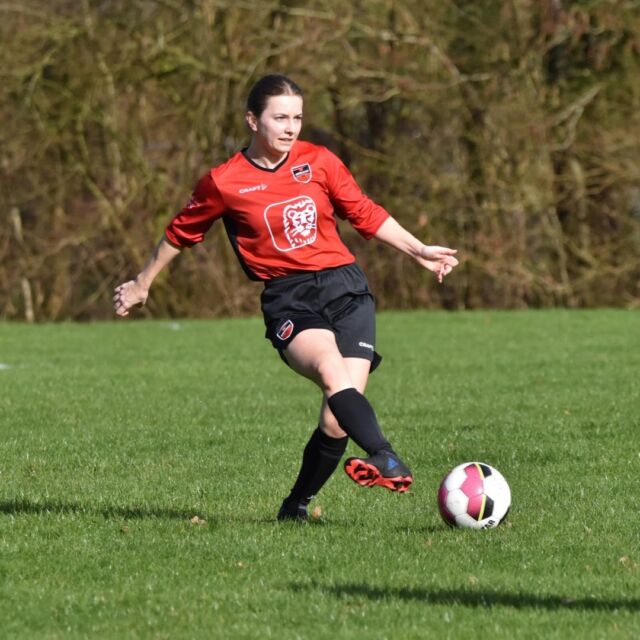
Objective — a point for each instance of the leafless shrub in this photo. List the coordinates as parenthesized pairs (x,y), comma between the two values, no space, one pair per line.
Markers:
(508,129)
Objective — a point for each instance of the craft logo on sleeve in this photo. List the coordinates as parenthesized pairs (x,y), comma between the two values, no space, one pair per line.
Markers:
(193,202)
(292,223)
(302,172)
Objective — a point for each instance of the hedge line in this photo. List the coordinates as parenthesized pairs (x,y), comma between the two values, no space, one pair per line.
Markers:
(510,130)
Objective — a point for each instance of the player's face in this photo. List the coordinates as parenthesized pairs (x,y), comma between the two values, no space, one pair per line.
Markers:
(279,124)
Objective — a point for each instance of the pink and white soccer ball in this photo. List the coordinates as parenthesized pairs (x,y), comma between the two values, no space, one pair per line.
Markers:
(474,495)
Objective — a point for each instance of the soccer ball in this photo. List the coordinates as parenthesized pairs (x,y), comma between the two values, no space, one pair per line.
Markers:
(474,495)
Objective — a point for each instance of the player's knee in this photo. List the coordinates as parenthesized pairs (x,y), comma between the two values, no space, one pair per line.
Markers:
(332,374)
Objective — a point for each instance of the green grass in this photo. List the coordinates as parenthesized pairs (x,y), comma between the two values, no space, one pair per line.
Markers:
(113,436)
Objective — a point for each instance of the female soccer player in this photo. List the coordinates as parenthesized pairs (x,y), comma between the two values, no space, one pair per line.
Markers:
(278,199)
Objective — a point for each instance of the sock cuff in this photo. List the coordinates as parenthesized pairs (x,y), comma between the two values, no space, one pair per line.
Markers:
(345,393)
(344,398)
(330,444)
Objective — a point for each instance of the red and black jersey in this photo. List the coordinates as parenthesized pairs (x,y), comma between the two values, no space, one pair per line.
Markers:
(281,220)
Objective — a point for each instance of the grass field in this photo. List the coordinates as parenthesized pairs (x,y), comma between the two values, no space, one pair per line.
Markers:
(142,464)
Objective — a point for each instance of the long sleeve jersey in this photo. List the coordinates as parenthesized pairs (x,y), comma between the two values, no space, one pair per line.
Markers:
(282,220)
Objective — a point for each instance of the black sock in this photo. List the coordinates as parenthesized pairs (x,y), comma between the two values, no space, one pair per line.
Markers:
(319,460)
(356,416)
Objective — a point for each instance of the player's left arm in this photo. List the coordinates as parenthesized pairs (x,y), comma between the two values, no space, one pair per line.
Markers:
(439,260)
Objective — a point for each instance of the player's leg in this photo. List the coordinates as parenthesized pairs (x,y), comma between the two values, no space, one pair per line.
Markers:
(315,355)
(358,369)
(323,451)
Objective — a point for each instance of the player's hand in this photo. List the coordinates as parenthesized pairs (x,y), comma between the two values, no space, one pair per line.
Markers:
(439,260)
(127,295)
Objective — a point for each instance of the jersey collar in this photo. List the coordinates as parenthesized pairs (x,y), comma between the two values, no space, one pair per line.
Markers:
(257,166)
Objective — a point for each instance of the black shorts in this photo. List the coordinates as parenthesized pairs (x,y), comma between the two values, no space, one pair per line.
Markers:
(336,299)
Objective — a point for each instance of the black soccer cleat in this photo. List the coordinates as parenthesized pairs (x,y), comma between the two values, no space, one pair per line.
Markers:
(293,511)
(382,469)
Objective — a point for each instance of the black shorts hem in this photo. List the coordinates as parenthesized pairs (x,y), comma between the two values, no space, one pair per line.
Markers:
(375,358)
(281,333)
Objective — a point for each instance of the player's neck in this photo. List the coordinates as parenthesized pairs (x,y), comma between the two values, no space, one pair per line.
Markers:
(263,157)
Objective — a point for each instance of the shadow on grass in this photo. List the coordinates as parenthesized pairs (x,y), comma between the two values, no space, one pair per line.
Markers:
(19,506)
(25,506)
(468,598)
(45,507)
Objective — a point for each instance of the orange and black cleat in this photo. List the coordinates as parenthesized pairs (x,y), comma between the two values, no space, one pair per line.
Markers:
(382,469)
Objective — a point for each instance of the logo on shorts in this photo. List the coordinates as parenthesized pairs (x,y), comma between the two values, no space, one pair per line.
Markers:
(292,223)
(366,345)
(301,173)
(285,330)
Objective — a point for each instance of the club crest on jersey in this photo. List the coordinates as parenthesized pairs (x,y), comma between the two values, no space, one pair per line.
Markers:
(285,330)
(301,172)
(293,223)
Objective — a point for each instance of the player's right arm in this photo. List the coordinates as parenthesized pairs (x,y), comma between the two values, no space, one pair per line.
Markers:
(135,292)
(187,228)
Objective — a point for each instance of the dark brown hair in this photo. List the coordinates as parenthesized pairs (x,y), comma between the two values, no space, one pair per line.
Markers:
(273,84)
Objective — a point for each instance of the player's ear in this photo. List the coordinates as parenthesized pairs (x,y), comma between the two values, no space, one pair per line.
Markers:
(252,121)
